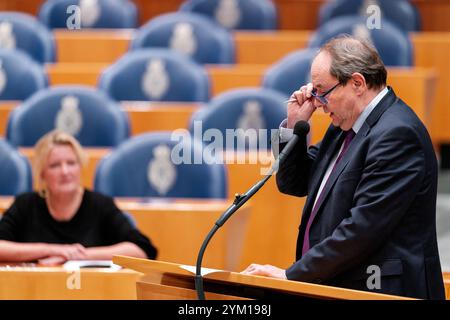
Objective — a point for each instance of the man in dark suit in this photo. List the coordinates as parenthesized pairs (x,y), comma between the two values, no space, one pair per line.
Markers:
(369,222)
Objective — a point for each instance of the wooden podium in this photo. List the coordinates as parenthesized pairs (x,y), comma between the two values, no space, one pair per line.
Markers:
(171,281)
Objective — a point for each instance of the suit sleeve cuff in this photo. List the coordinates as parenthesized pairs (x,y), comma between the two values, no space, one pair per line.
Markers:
(285,133)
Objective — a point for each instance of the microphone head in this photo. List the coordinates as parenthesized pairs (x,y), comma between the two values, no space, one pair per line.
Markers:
(301,128)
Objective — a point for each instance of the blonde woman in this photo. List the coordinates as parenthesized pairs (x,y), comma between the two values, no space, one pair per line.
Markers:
(63,221)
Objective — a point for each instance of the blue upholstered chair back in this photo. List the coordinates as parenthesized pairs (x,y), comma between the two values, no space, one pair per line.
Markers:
(402,13)
(24,32)
(15,171)
(156,75)
(92,14)
(189,33)
(244,109)
(86,113)
(393,44)
(237,14)
(20,76)
(290,72)
(150,165)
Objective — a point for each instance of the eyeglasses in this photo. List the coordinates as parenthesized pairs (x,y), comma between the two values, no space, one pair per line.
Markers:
(322,98)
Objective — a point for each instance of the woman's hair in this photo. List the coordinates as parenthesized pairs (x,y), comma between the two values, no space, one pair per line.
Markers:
(350,55)
(42,150)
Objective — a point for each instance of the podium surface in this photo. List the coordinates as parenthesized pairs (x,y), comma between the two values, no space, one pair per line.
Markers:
(171,281)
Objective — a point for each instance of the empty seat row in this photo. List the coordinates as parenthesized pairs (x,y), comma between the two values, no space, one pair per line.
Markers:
(197,36)
(231,14)
(96,120)
(139,167)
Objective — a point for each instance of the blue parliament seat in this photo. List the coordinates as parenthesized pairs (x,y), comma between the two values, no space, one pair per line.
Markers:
(86,113)
(393,44)
(80,14)
(402,13)
(20,76)
(156,75)
(24,32)
(160,164)
(244,117)
(15,171)
(290,72)
(237,14)
(189,33)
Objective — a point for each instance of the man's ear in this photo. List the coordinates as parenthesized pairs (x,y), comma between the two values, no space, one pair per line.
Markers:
(358,82)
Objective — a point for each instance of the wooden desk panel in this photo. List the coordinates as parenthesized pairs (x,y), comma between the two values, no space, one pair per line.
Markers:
(432,51)
(56,283)
(298,14)
(320,121)
(91,46)
(178,228)
(74,73)
(158,116)
(103,46)
(417,87)
(273,226)
(268,47)
(5,108)
(434,14)
(224,78)
(446,276)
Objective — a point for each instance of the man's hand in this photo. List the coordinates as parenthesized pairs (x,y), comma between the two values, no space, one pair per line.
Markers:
(302,107)
(265,270)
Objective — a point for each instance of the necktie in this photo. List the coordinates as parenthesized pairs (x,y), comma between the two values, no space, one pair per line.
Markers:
(348,138)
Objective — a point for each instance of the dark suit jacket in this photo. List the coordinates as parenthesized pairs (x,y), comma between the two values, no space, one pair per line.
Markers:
(379,206)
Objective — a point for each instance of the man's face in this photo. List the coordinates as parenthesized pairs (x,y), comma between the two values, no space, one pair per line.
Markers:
(341,100)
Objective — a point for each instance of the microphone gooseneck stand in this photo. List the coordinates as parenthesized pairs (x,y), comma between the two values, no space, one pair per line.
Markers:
(301,128)
(237,203)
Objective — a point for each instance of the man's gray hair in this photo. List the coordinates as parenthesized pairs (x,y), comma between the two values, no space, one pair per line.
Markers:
(350,55)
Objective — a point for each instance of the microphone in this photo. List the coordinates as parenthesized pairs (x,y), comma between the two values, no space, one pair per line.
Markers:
(301,129)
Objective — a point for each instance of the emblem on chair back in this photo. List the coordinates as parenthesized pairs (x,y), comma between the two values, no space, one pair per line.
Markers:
(3,77)
(251,118)
(161,172)
(69,118)
(90,12)
(228,13)
(7,39)
(183,39)
(155,81)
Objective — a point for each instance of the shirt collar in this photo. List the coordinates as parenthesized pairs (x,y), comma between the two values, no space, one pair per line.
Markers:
(368,109)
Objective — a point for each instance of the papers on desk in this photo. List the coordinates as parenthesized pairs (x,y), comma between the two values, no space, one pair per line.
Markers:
(203,271)
(72,265)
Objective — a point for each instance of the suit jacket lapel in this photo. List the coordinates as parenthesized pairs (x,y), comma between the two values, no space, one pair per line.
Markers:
(340,167)
(323,163)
